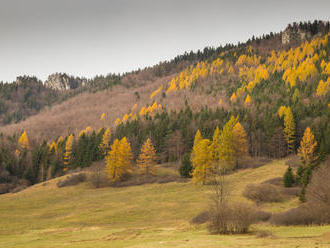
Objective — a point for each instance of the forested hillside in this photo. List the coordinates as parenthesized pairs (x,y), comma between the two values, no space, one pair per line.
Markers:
(268,90)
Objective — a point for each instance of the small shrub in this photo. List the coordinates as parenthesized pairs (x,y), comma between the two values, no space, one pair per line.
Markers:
(262,216)
(232,218)
(291,192)
(201,218)
(263,234)
(72,180)
(316,210)
(98,178)
(185,167)
(294,216)
(5,188)
(262,193)
(288,178)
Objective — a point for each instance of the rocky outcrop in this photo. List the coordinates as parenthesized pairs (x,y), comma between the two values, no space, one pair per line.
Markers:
(293,34)
(63,82)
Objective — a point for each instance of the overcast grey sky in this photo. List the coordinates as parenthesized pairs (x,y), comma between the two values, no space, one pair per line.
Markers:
(90,37)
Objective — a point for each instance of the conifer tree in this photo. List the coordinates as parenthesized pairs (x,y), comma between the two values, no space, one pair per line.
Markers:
(240,142)
(215,146)
(119,160)
(202,161)
(68,150)
(288,178)
(247,100)
(226,149)
(185,169)
(197,139)
(289,129)
(105,145)
(307,149)
(147,159)
(23,141)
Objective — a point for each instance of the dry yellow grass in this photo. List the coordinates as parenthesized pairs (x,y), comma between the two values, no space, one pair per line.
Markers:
(151,215)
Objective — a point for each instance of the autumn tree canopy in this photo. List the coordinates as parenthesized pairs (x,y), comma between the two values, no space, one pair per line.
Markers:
(147,159)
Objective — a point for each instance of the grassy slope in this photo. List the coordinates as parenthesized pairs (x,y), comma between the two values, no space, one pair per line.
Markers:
(154,215)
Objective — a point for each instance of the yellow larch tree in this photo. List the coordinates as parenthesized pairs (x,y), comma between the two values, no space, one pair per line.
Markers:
(202,161)
(118,121)
(68,149)
(307,150)
(233,97)
(23,141)
(53,147)
(119,160)
(215,147)
(226,149)
(105,145)
(240,142)
(247,100)
(147,159)
(323,88)
(289,129)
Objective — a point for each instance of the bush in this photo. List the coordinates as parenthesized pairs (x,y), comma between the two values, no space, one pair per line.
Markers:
(201,218)
(262,193)
(263,234)
(295,216)
(288,178)
(262,216)
(231,218)
(185,167)
(316,210)
(98,178)
(72,180)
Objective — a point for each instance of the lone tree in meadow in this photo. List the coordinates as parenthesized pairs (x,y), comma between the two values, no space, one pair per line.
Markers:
(119,160)
(147,159)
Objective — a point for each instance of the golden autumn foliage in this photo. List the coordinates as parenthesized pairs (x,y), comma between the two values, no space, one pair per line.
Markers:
(102,117)
(86,131)
(323,88)
(23,141)
(289,127)
(151,109)
(53,147)
(105,145)
(247,101)
(233,97)
(307,150)
(119,160)
(226,141)
(147,159)
(156,92)
(240,142)
(118,121)
(201,161)
(68,149)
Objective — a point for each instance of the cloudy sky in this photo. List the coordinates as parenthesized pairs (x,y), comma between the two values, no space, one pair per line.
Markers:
(90,37)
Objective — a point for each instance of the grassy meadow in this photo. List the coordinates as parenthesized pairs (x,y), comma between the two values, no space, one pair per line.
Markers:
(150,215)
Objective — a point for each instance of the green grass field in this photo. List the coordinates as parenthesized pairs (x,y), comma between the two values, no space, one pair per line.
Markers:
(152,215)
